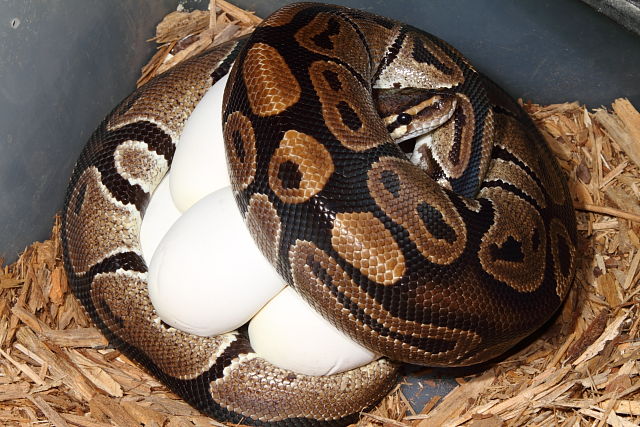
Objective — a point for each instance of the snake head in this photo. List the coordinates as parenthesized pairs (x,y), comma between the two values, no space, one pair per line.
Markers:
(410,112)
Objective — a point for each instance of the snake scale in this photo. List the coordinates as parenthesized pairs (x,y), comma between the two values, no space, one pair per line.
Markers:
(445,260)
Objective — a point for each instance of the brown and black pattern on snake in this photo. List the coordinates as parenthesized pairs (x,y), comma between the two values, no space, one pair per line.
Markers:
(241,148)
(438,275)
(458,265)
(275,88)
(299,168)
(262,220)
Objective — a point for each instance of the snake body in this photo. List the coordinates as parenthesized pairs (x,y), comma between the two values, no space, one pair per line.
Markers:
(445,263)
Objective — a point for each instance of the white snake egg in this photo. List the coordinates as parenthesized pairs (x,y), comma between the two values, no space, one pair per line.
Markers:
(207,277)
(289,333)
(160,216)
(199,165)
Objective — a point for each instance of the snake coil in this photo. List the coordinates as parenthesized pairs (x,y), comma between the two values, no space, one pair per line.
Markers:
(446,262)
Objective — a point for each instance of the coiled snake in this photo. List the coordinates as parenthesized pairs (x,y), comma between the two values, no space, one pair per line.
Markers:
(446,262)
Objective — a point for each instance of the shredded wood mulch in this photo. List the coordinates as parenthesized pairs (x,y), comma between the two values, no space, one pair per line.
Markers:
(56,368)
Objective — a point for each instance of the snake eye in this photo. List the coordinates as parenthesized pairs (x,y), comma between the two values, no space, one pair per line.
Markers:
(404,118)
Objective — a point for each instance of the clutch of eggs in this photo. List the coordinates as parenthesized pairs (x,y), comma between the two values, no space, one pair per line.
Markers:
(206,275)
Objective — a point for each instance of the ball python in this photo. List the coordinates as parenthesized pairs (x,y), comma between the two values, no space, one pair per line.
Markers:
(445,259)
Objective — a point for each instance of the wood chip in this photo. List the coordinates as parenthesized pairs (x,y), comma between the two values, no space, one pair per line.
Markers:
(178,25)
(48,411)
(14,391)
(80,337)
(451,407)
(113,411)
(615,128)
(186,34)
(610,332)
(144,414)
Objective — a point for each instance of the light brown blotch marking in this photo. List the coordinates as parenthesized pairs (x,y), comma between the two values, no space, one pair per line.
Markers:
(514,249)
(436,71)
(347,107)
(299,168)
(363,241)
(136,163)
(452,143)
(564,257)
(271,86)
(240,142)
(328,34)
(260,397)
(511,136)
(97,219)
(510,173)
(378,37)
(405,193)
(264,223)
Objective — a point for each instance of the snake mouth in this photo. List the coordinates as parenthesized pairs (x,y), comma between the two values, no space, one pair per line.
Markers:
(408,145)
